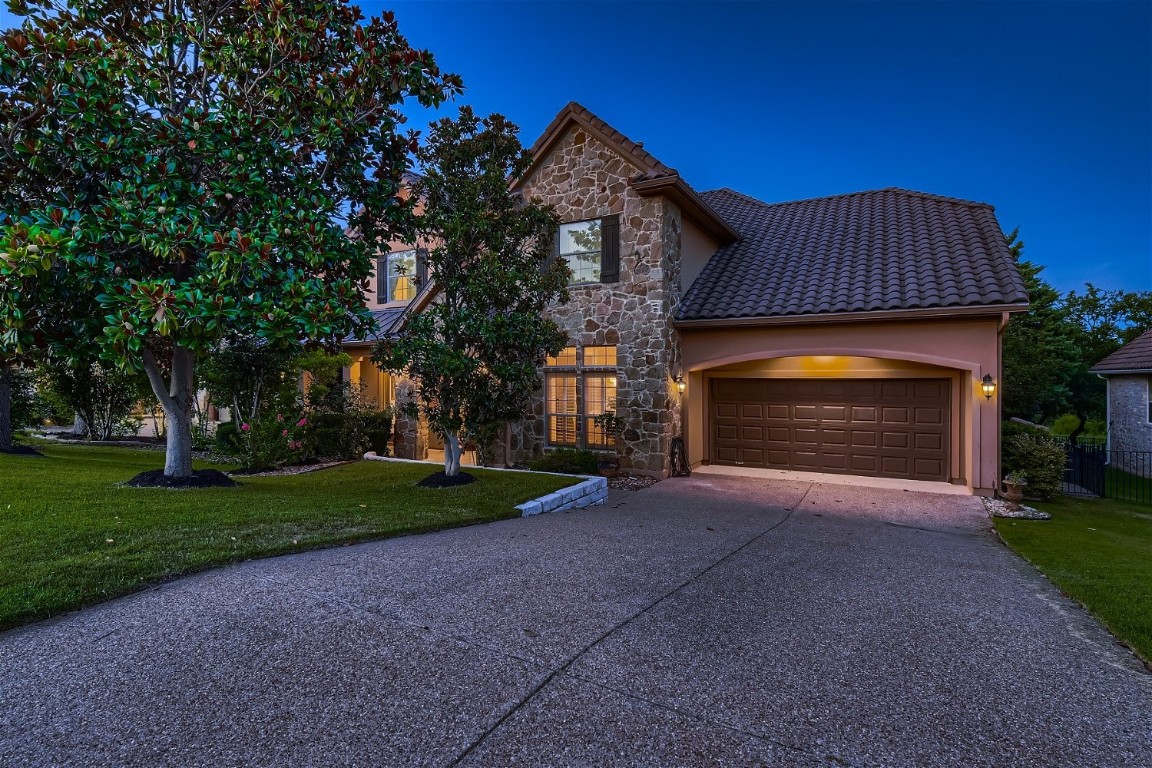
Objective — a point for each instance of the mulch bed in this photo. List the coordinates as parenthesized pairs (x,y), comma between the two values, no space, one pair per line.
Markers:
(624,482)
(201,478)
(441,480)
(22,450)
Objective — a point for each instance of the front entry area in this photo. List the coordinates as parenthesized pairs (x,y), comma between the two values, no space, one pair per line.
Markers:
(879,427)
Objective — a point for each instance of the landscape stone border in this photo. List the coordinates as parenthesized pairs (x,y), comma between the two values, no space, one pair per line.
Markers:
(591,492)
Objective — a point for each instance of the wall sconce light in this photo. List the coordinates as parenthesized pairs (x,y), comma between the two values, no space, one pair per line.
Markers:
(680,383)
(988,385)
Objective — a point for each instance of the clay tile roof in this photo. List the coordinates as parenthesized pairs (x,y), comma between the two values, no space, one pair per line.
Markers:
(649,166)
(1135,356)
(384,321)
(890,249)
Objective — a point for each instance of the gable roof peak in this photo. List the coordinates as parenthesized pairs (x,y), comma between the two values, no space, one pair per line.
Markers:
(575,113)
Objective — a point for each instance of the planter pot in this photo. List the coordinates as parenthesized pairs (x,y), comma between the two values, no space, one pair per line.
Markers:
(1014,494)
(608,467)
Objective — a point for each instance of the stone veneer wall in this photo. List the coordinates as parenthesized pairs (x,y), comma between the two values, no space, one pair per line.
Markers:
(585,179)
(1128,426)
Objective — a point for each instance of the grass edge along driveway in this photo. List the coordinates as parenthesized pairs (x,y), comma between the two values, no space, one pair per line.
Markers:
(1099,552)
(70,536)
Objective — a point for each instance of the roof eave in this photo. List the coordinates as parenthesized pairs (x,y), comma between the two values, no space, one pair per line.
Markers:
(929,313)
(1121,371)
(691,204)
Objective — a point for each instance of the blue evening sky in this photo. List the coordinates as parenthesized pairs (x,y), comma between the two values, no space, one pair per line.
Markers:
(1043,109)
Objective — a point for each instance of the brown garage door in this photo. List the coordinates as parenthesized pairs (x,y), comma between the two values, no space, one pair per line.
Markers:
(880,427)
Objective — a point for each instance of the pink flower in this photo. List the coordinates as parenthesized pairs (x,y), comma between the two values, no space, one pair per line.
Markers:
(279,417)
(244,427)
(302,422)
(284,433)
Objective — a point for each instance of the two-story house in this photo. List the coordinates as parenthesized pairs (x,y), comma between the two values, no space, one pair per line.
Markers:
(855,334)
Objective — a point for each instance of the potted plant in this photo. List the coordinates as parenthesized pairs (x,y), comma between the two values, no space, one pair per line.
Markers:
(1014,483)
(610,424)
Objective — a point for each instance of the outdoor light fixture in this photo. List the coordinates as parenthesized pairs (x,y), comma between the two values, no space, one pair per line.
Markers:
(680,383)
(988,385)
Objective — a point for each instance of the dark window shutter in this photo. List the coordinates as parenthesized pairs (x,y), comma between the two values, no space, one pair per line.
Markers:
(421,269)
(382,280)
(610,249)
(554,253)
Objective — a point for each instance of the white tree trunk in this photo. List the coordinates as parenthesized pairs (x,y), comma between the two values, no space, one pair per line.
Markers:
(451,454)
(176,398)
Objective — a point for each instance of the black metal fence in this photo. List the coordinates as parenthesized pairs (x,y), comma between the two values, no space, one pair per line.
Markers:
(1123,475)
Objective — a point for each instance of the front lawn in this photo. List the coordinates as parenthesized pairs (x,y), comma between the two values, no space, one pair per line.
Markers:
(1099,551)
(70,536)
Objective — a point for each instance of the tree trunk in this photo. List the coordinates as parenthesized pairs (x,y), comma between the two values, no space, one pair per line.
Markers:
(6,441)
(176,398)
(1074,438)
(451,454)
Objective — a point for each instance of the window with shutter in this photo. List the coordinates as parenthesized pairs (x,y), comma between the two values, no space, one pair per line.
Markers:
(591,249)
(395,277)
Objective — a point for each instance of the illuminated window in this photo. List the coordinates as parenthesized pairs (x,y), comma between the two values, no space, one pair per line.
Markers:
(396,275)
(562,409)
(567,357)
(580,384)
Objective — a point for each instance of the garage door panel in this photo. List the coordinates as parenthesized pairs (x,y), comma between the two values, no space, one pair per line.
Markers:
(779,435)
(778,457)
(890,415)
(833,413)
(894,439)
(806,412)
(885,427)
(751,433)
(752,456)
(834,437)
(806,436)
(929,415)
(928,441)
(727,432)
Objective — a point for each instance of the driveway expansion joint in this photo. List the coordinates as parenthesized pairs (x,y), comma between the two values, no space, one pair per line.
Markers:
(563,668)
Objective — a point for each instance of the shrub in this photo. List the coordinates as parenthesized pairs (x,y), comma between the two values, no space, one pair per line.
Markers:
(228,439)
(378,431)
(566,460)
(1038,456)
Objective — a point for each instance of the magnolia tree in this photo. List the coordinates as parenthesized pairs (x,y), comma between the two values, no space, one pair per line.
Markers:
(193,168)
(475,351)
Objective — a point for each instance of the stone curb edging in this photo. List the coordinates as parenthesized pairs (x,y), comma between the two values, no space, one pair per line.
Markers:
(593,491)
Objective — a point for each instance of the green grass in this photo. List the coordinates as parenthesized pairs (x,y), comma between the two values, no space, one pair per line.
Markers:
(1099,551)
(70,536)
(1119,484)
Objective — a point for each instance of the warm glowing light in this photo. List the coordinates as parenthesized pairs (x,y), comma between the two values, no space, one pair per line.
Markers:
(988,385)
(680,383)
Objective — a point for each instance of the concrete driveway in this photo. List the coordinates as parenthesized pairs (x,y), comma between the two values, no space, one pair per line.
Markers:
(703,622)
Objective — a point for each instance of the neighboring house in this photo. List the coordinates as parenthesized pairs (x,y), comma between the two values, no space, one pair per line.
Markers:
(846,334)
(1129,374)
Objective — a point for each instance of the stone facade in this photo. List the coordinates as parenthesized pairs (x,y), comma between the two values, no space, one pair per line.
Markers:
(586,179)
(1128,426)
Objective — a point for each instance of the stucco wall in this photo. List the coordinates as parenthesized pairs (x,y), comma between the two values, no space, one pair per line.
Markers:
(961,350)
(585,179)
(1128,425)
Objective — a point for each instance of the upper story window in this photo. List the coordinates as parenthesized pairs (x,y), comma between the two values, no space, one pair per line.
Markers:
(396,276)
(591,249)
